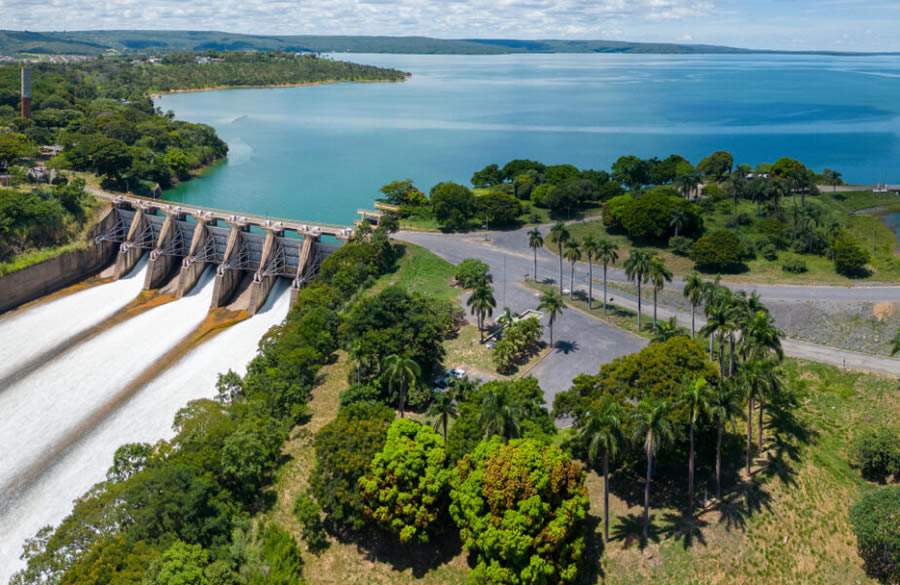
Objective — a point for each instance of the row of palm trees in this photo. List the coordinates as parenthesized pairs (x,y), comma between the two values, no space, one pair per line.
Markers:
(749,347)
(641,267)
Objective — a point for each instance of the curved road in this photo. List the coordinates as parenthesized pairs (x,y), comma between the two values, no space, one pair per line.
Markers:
(592,341)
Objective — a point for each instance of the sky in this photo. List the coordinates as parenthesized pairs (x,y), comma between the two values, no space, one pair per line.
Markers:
(845,25)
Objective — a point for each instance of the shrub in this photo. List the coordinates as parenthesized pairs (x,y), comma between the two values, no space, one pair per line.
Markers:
(681,245)
(794,265)
(360,393)
(876,453)
(472,272)
(720,251)
(769,251)
(309,514)
(521,510)
(849,258)
(739,219)
(404,490)
(876,523)
(542,194)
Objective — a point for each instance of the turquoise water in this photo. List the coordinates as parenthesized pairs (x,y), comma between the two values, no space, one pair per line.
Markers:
(318,153)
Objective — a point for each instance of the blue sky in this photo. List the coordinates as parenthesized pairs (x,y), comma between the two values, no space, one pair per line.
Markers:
(866,25)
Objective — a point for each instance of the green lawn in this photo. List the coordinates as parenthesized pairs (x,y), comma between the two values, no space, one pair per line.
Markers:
(865,228)
(420,271)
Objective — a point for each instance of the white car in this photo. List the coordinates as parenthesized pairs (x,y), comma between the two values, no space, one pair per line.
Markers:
(457,373)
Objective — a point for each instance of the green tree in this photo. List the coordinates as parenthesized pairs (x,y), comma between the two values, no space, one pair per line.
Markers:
(402,374)
(482,303)
(658,276)
(405,487)
(601,431)
(453,204)
(697,399)
(14,146)
(637,267)
(403,192)
(535,242)
(520,508)
(607,253)
(719,251)
(472,272)
(489,176)
(687,180)
(559,235)
(717,166)
(632,172)
(344,449)
(442,408)
(653,428)
(693,292)
(572,253)
(182,564)
(849,257)
(833,178)
(553,305)
(499,209)
(501,413)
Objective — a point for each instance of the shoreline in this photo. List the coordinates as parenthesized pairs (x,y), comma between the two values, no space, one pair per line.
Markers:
(158,94)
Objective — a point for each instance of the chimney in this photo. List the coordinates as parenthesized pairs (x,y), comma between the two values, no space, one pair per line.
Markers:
(26,92)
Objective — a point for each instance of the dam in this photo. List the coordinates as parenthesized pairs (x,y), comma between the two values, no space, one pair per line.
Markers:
(186,294)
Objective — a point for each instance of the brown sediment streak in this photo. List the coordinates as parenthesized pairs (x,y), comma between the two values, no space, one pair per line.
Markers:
(145,301)
(215,322)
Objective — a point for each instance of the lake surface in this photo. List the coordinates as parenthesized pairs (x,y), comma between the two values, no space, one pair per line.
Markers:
(318,153)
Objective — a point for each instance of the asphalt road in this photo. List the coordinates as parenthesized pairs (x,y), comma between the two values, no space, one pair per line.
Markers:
(593,342)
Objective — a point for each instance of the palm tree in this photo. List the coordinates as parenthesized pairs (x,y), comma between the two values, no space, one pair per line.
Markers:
(719,323)
(760,337)
(697,398)
(678,220)
(535,241)
(507,318)
(551,303)
(833,178)
(401,373)
(665,330)
(724,408)
(636,268)
(500,414)
(658,276)
(559,235)
(601,431)
(693,291)
(653,428)
(572,253)
(443,409)
(607,253)
(482,303)
(687,182)
(589,245)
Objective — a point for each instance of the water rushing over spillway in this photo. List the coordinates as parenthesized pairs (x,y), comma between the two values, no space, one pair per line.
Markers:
(64,421)
(32,332)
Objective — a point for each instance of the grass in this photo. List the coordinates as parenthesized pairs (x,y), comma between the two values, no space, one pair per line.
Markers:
(868,230)
(420,271)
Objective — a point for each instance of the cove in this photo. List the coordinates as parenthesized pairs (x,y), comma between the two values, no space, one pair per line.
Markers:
(321,152)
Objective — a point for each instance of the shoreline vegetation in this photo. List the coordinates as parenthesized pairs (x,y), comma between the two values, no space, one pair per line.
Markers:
(771,223)
(157,94)
(97,119)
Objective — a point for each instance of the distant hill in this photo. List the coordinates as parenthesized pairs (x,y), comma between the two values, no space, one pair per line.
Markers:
(18,43)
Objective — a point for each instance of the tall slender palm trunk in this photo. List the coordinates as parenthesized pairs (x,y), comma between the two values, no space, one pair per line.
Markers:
(749,433)
(560,269)
(572,280)
(640,277)
(605,497)
(691,474)
(654,307)
(590,283)
(719,462)
(605,297)
(535,264)
(762,408)
(693,320)
(647,496)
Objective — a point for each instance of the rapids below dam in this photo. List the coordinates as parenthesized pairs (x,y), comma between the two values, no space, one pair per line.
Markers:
(104,383)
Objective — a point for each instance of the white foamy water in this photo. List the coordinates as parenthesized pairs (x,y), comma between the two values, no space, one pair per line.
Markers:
(33,331)
(146,417)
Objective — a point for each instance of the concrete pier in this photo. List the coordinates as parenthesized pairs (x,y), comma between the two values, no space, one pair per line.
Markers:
(130,251)
(228,274)
(165,256)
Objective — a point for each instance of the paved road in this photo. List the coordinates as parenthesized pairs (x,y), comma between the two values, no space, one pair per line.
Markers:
(511,261)
(583,343)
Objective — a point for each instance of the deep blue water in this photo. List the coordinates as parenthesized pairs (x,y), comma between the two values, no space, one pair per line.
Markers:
(318,153)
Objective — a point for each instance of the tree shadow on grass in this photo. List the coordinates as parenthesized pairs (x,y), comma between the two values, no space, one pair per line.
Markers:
(684,528)
(417,558)
(630,531)
(736,508)
(593,552)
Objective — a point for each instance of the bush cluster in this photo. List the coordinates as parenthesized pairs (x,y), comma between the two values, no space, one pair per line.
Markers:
(876,453)
(876,523)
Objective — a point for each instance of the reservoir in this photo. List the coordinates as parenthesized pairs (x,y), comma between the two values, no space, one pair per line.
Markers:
(320,152)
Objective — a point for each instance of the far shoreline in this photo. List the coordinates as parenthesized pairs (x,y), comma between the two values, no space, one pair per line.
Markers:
(158,94)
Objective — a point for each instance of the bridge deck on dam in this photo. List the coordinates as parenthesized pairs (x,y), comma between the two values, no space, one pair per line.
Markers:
(249,252)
